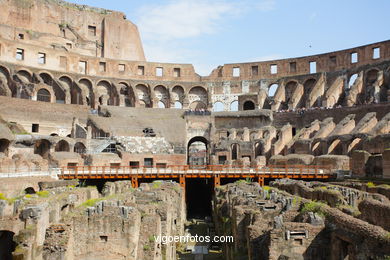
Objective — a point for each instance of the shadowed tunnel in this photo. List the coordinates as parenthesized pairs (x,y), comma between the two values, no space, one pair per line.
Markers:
(198,197)
(7,245)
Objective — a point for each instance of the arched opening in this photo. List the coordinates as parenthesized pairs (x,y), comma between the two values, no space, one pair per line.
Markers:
(258,149)
(234,106)
(289,92)
(177,94)
(128,94)
(356,144)
(7,244)
(76,95)
(162,95)
(372,76)
(43,95)
(5,90)
(58,91)
(272,90)
(106,93)
(80,148)
(42,147)
(29,190)
(24,76)
(316,149)
(196,105)
(249,105)
(307,89)
(335,148)
(368,94)
(87,95)
(235,150)
(53,134)
(178,105)
(143,95)
(352,80)
(198,94)
(197,152)
(62,146)
(218,106)
(4,146)
(160,104)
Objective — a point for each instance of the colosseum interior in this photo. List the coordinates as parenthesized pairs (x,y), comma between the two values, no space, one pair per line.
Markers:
(102,151)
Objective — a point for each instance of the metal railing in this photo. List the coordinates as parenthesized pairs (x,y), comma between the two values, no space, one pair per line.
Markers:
(18,173)
(187,170)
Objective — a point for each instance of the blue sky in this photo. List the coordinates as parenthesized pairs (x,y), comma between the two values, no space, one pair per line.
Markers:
(208,33)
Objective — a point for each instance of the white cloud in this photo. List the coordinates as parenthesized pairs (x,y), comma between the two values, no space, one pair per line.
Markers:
(183,18)
(165,27)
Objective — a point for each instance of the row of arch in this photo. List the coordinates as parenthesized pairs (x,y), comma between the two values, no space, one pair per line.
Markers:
(84,92)
(44,146)
(44,87)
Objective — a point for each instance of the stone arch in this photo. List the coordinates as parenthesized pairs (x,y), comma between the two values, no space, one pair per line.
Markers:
(272,89)
(316,149)
(336,147)
(352,79)
(162,95)
(198,94)
(5,88)
(106,93)
(4,72)
(178,105)
(76,93)
(234,106)
(161,104)
(235,149)
(43,95)
(24,76)
(42,147)
(128,93)
(218,106)
(248,105)
(356,144)
(259,149)
(196,156)
(198,105)
(289,89)
(4,146)
(367,95)
(84,92)
(143,95)
(80,148)
(308,87)
(372,76)
(62,146)
(59,92)
(177,94)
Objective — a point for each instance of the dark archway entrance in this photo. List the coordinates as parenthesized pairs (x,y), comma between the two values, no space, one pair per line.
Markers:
(197,152)
(249,105)
(42,147)
(198,197)
(4,145)
(7,244)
